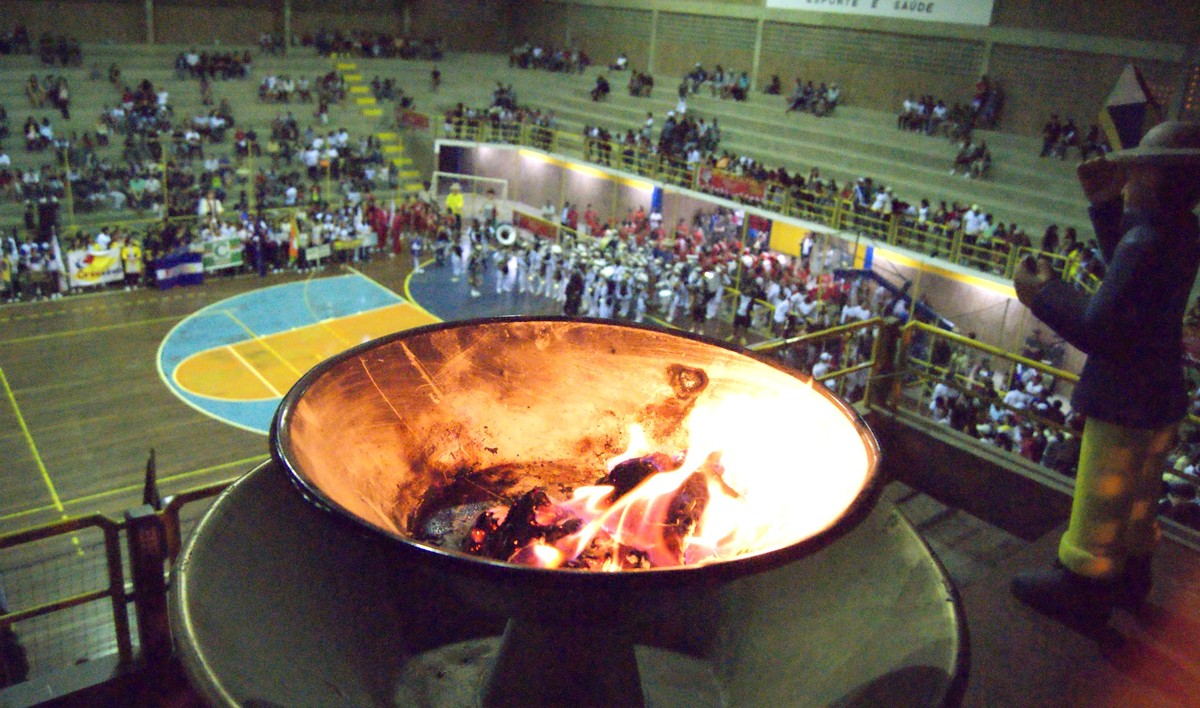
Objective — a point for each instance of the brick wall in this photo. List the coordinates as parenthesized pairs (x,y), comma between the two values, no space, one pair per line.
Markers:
(874,69)
(683,40)
(89,20)
(1041,81)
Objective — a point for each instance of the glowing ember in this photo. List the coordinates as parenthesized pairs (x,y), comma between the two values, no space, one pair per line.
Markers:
(648,511)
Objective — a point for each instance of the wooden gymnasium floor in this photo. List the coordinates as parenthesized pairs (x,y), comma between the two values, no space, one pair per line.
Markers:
(85,396)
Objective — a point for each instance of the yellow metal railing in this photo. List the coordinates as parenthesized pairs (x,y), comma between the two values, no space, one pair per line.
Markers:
(855,346)
(829,209)
(112,586)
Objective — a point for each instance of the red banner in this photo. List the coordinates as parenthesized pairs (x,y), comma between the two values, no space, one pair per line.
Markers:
(724,184)
(536,226)
(412,119)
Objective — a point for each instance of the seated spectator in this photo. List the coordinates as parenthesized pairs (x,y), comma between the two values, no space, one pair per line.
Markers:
(982,163)
(937,116)
(1068,138)
(1096,143)
(1050,135)
(827,99)
(601,89)
(775,87)
(621,63)
(640,85)
(967,154)
(799,98)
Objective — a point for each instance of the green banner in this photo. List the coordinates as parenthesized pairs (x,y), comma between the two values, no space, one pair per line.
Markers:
(222,253)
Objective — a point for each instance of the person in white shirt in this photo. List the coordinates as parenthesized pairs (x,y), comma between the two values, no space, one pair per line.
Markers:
(1016,398)
(210,208)
(822,367)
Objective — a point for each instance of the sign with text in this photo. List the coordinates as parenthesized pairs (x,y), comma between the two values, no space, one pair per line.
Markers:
(959,12)
(94,267)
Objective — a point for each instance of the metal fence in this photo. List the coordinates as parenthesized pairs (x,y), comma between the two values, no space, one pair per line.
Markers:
(68,586)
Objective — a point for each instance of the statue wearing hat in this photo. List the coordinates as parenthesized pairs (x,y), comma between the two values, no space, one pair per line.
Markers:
(1132,389)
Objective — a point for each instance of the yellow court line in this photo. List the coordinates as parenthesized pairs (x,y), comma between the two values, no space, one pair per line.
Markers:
(136,487)
(37,458)
(408,293)
(86,330)
(263,342)
(257,374)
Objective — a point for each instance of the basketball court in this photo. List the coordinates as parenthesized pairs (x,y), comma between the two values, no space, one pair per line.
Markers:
(91,382)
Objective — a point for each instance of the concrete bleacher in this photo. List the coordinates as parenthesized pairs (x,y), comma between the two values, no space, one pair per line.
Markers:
(854,142)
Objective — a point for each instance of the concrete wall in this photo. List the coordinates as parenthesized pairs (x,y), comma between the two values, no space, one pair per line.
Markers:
(208,22)
(1159,21)
(1000,488)
(481,25)
(1050,57)
(875,69)
(87,20)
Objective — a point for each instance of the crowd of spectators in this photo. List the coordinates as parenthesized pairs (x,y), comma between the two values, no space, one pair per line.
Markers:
(684,140)
(719,81)
(1017,409)
(532,55)
(191,64)
(500,122)
(387,90)
(1059,137)
(372,44)
(819,100)
(640,85)
(59,50)
(973,159)
(15,40)
(53,89)
(933,117)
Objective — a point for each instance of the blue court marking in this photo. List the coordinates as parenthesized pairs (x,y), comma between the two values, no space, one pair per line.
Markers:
(269,310)
(433,290)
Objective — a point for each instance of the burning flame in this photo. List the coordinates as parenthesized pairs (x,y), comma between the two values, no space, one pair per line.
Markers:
(751,492)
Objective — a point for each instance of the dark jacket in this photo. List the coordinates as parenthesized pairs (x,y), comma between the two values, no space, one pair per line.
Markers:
(1132,328)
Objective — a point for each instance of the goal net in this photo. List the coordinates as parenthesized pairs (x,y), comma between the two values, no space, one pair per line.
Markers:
(479,194)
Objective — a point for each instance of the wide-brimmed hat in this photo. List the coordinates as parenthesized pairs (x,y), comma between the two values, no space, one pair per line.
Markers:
(1173,142)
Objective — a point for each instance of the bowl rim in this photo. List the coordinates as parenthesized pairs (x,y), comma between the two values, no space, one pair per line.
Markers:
(463,563)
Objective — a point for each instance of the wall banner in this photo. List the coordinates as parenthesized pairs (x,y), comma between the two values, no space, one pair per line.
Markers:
(222,253)
(959,12)
(92,267)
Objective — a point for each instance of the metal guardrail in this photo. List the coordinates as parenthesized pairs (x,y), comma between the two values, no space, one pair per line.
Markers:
(151,542)
(832,210)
